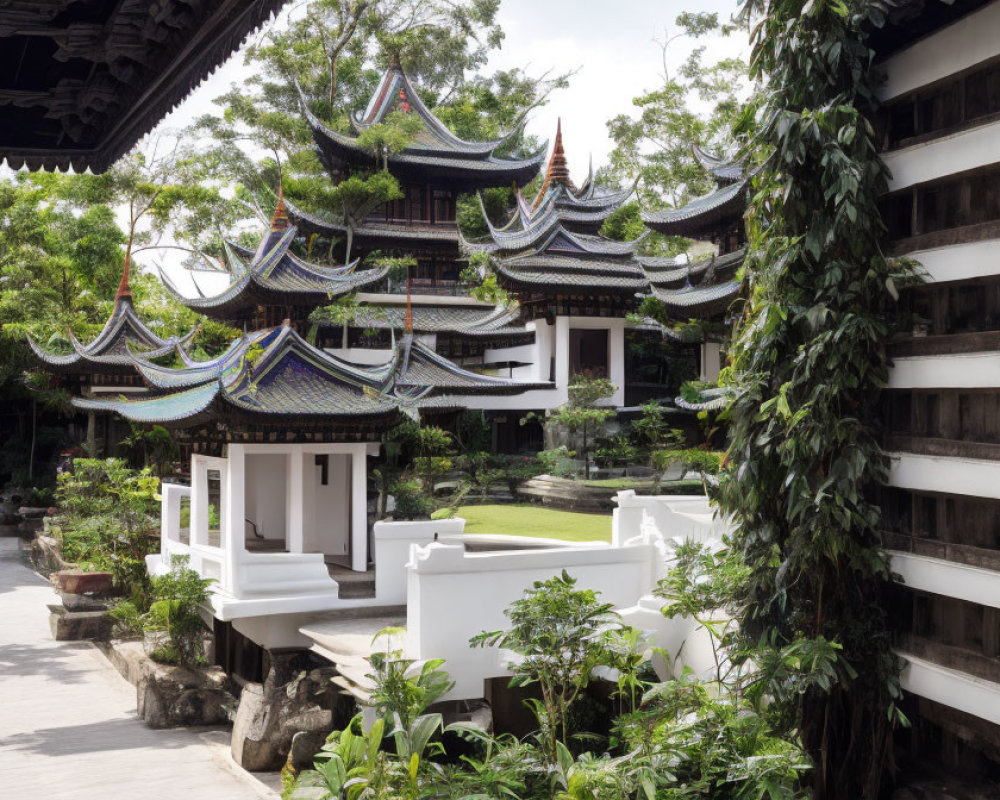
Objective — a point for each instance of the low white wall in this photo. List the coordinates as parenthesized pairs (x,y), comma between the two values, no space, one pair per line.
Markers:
(454,595)
(951,688)
(392,552)
(947,578)
(676,517)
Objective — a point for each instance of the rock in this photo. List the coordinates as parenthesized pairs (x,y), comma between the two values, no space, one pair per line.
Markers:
(72,626)
(294,698)
(168,696)
(46,555)
(76,581)
(305,746)
(82,602)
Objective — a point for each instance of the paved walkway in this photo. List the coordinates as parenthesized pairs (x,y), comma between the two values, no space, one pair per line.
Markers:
(68,728)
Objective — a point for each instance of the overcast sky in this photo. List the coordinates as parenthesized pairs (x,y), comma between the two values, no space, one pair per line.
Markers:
(610,41)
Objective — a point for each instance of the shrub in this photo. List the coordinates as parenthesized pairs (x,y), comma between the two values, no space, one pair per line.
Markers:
(173,618)
(108,518)
(411,501)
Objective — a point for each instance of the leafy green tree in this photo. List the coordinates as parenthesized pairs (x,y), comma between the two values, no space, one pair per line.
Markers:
(560,635)
(808,361)
(653,148)
(334,51)
(581,414)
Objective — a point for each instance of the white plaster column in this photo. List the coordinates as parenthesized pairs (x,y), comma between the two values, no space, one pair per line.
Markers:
(199,501)
(359,508)
(616,360)
(711,361)
(294,507)
(562,357)
(234,501)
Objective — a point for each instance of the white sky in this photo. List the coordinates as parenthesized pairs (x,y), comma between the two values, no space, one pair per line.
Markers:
(612,44)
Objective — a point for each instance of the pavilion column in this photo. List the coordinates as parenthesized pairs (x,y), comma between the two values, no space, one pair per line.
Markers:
(616,360)
(295,508)
(234,541)
(562,357)
(91,443)
(359,508)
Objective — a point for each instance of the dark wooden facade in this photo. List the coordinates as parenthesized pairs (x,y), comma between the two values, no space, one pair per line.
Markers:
(943,319)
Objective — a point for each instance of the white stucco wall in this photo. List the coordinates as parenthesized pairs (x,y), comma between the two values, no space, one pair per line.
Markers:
(948,578)
(453,596)
(959,371)
(951,50)
(264,499)
(959,262)
(951,688)
(944,156)
(968,476)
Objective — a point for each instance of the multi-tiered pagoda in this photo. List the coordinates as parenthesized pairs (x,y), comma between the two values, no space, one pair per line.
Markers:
(272,284)
(106,365)
(432,172)
(574,286)
(704,290)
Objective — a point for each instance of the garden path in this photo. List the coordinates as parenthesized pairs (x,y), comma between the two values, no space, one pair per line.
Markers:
(68,727)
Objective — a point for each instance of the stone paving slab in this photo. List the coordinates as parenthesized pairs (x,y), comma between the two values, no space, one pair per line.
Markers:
(68,727)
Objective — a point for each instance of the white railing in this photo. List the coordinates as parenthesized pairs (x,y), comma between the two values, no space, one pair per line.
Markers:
(176,538)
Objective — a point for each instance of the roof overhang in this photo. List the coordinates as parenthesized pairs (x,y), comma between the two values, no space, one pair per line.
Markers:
(81,81)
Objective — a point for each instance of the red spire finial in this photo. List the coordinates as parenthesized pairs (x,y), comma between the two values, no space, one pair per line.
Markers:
(408,324)
(124,290)
(280,219)
(557,170)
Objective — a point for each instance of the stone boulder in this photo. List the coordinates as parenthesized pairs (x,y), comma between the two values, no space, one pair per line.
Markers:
(168,696)
(296,698)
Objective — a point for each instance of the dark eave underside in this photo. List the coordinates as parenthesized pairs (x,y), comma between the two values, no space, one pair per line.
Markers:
(82,80)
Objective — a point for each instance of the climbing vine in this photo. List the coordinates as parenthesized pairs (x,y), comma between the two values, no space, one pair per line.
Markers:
(807,364)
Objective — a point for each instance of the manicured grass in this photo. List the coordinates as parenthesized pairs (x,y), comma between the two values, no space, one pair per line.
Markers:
(620,483)
(536,521)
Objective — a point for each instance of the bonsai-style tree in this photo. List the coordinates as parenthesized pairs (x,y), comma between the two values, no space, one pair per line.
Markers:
(581,414)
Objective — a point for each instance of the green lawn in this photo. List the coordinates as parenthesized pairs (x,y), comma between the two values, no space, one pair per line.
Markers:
(536,521)
(619,483)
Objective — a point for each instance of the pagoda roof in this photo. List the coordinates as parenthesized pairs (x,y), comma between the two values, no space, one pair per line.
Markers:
(474,320)
(122,334)
(276,375)
(587,206)
(703,214)
(82,81)
(704,288)
(575,276)
(420,371)
(434,153)
(723,170)
(275,276)
(310,222)
(394,93)
(284,377)
(546,232)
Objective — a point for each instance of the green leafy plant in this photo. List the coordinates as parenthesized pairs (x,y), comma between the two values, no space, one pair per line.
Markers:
(559,634)
(173,620)
(107,518)
(581,414)
(807,363)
